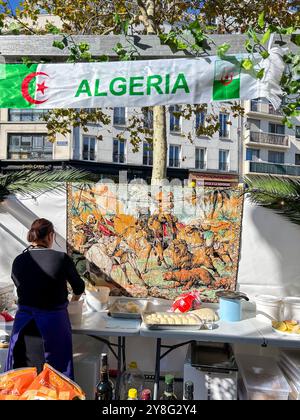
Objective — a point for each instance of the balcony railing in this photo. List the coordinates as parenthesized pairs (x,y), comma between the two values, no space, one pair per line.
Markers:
(269,138)
(274,111)
(274,168)
(265,108)
(30,155)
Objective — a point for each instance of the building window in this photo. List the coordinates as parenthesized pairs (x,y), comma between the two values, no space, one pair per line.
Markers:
(297,159)
(29,146)
(119,116)
(26,114)
(253,125)
(276,128)
(256,105)
(200,119)
(297,132)
(253,155)
(200,158)
(174,156)
(175,121)
(148,118)
(275,157)
(223,120)
(224,160)
(119,148)
(147,154)
(89,148)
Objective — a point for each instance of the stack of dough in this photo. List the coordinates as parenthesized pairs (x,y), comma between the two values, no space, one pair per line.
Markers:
(169,318)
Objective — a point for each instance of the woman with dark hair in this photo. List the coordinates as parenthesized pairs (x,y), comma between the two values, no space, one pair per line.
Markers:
(42,329)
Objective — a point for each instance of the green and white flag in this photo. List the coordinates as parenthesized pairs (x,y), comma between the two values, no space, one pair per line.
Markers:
(138,83)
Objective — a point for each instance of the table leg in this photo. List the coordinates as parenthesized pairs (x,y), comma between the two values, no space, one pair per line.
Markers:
(124,353)
(157,369)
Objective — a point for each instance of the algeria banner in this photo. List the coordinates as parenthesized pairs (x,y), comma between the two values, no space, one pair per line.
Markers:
(138,83)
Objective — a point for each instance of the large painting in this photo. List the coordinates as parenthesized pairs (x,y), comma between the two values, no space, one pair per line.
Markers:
(160,244)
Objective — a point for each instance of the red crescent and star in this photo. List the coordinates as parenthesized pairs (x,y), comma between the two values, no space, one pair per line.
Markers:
(41,87)
(227,79)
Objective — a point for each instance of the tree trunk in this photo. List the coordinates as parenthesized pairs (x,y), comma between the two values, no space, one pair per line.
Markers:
(160,146)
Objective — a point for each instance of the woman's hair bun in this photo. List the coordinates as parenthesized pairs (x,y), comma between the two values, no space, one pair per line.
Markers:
(39,230)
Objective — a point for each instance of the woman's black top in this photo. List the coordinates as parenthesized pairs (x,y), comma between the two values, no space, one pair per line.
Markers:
(41,276)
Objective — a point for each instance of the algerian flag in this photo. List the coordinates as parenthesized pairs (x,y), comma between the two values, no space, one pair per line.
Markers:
(138,83)
(227,80)
(19,87)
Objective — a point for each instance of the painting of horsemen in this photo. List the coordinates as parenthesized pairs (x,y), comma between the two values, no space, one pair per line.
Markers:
(160,243)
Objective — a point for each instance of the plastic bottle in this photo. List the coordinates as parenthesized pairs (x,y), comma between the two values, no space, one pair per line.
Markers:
(169,393)
(131,378)
(146,395)
(132,394)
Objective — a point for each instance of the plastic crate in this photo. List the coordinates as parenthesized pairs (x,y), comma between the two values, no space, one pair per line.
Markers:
(262,378)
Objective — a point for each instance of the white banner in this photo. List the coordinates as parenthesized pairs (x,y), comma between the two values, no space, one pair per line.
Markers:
(140,83)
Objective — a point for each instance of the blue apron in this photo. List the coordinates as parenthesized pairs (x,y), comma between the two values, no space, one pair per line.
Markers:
(55,329)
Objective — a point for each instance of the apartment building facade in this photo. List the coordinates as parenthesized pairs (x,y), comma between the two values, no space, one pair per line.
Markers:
(24,141)
(257,144)
(269,146)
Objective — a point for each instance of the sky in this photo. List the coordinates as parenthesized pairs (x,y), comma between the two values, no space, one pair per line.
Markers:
(14,3)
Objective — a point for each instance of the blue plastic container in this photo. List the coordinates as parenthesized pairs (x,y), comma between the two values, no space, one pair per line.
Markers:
(230,310)
(231,306)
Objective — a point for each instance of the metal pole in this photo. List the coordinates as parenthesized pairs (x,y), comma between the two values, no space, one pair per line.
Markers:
(119,368)
(157,369)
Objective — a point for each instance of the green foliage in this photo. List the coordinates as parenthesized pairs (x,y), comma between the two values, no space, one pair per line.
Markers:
(277,193)
(222,49)
(59,44)
(247,64)
(295,38)
(173,41)
(261,20)
(31,183)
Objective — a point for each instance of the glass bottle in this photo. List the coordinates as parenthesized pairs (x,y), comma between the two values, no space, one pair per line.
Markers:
(169,389)
(105,387)
(131,378)
(132,394)
(188,391)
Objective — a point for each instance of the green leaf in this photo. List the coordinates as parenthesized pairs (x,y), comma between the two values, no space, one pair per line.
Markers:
(261,20)
(253,35)
(264,54)
(59,44)
(222,49)
(103,58)
(83,47)
(52,29)
(27,61)
(266,37)
(248,46)
(247,64)
(260,74)
(296,39)
(125,26)
(195,25)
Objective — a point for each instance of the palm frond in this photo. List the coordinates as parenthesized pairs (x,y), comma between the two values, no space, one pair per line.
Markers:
(277,193)
(32,183)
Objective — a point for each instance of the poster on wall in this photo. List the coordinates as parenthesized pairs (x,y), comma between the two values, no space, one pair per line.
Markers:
(158,244)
